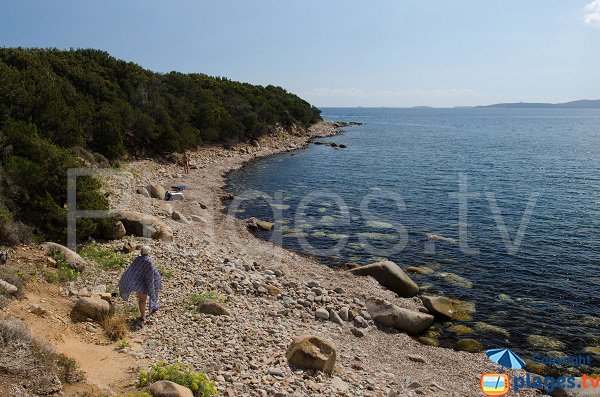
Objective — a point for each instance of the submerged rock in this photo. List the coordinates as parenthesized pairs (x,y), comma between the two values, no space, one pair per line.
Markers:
(422,270)
(428,341)
(455,279)
(469,345)
(391,276)
(545,342)
(450,308)
(461,329)
(491,329)
(258,224)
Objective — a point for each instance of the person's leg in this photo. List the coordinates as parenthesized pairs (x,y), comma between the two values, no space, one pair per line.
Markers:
(142,303)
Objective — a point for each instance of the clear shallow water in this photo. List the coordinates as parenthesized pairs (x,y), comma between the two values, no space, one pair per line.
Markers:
(550,286)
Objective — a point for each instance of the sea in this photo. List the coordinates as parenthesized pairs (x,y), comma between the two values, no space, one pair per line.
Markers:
(501,206)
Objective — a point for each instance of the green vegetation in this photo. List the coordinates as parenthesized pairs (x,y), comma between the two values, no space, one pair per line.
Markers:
(181,374)
(68,109)
(107,258)
(164,271)
(122,344)
(211,296)
(64,272)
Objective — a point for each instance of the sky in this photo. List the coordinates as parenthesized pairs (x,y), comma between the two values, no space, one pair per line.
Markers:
(393,53)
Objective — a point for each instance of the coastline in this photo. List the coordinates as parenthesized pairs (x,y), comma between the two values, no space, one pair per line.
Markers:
(270,293)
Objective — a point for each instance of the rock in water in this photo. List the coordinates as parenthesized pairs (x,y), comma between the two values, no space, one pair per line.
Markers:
(157,191)
(144,225)
(312,352)
(212,308)
(402,319)
(446,307)
(165,388)
(391,276)
(469,345)
(576,391)
(257,224)
(72,258)
(95,308)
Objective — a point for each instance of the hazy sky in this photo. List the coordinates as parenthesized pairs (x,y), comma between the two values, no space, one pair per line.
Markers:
(341,53)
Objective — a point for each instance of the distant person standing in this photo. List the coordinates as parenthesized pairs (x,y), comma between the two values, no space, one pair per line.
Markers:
(186,163)
(143,278)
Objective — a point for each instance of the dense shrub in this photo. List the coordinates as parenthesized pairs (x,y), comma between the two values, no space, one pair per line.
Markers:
(107,258)
(57,107)
(181,374)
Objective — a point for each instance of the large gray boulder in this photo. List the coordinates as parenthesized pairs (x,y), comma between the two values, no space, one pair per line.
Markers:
(72,257)
(92,307)
(144,225)
(391,276)
(165,388)
(312,352)
(402,319)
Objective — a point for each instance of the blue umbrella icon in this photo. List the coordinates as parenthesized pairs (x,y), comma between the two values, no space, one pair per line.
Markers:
(505,358)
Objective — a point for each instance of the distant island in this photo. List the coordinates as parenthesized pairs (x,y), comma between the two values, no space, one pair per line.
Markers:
(581,104)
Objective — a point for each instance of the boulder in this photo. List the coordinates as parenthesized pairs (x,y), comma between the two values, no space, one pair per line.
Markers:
(165,388)
(255,143)
(157,191)
(405,320)
(258,224)
(322,314)
(450,308)
(212,308)
(92,307)
(7,288)
(391,276)
(428,341)
(144,225)
(72,258)
(312,352)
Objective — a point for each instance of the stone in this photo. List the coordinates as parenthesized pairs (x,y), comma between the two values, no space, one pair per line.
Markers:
(143,191)
(258,224)
(483,327)
(427,341)
(255,143)
(450,308)
(94,308)
(313,284)
(72,258)
(334,317)
(115,231)
(179,217)
(416,358)
(469,345)
(405,320)
(358,332)
(322,314)
(157,191)
(129,247)
(339,384)
(545,342)
(360,322)
(7,288)
(165,388)
(196,218)
(422,270)
(38,310)
(312,352)
(144,225)
(460,329)
(212,308)
(344,313)
(389,275)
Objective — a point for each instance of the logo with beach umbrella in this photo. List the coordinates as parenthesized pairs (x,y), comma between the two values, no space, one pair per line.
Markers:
(505,358)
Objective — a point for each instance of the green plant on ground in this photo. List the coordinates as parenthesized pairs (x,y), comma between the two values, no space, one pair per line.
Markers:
(181,374)
(164,271)
(107,258)
(64,271)
(122,344)
(211,296)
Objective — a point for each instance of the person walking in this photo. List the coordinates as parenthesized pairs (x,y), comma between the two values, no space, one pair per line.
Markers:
(143,278)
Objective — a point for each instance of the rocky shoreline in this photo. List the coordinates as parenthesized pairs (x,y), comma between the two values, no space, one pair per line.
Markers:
(266,299)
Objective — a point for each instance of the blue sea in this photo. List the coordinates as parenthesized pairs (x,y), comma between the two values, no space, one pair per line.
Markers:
(502,204)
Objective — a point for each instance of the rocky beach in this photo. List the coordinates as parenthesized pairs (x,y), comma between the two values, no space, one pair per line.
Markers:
(264,298)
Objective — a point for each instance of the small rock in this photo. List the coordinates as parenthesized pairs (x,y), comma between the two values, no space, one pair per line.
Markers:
(212,308)
(312,352)
(358,332)
(416,358)
(322,314)
(344,313)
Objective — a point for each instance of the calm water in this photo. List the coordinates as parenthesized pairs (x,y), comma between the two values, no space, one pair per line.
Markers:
(404,167)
